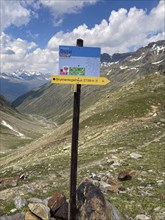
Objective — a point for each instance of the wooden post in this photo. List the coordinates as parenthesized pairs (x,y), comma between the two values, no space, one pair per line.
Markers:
(74,147)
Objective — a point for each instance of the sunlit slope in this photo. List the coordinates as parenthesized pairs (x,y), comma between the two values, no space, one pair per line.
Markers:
(55,101)
(18,129)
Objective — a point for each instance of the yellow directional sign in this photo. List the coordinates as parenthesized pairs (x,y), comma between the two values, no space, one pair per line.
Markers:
(87,80)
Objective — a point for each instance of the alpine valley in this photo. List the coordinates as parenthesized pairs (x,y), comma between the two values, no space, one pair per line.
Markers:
(121,136)
(19,82)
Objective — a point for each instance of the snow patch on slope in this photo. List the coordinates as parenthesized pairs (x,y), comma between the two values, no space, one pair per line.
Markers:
(17,133)
(158,48)
(160,61)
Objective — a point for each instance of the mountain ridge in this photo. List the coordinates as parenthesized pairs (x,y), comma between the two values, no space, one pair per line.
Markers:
(144,61)
(121,125)
(19,82)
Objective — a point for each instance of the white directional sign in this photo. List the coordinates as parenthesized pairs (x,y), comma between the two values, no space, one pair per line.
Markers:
(79,61)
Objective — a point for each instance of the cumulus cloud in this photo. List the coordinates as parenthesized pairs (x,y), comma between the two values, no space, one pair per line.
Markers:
(13,13)
(123,30)
(59,8)
(24,10)
(63,7)
(13,52)
(21,54)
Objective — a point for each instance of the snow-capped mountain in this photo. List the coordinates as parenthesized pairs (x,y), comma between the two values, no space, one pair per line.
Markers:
(19,82)
(146,59)
(25,75)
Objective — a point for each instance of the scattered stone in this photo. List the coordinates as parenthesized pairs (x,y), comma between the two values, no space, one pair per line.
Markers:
(95,177)
(62,212)
(40,210)
(30,216)
(150,171)
(123,176)
(116,188)
(160,182)
(19,202)
(104,187)
(154,114)
(44,191)
(111,180)
(162,197)
(23,176)
(142,217)
(160,215)
(117,163)
(157,209)
(13,210)
(114,212)
(18,216)
(135,156)
(104,178)
(101,166)
(55,202)
(8,182)
(133,172)
(17,168)
(110,162)
(162,120)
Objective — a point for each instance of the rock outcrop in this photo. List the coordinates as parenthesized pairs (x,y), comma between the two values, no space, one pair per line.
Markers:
(92,205)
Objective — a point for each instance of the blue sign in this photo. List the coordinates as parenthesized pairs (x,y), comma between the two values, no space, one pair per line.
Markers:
(79,61)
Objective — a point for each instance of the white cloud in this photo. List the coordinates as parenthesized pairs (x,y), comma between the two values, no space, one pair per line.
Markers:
(65,6)
(12,12)
(20,54)
(13,52)
(59,8)
(42,60)
(123,30)
(17,12)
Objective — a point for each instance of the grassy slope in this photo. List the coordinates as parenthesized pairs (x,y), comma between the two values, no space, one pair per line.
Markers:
(31,127)
(120,123)
(60,97)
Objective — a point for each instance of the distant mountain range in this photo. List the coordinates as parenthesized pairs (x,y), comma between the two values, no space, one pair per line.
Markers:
(19,82)
(121,133)
(146,60)
(105,57)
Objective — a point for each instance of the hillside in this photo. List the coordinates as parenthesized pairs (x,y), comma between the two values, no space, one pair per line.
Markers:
(121,139)
(144,61)
(18,129)
(124,129)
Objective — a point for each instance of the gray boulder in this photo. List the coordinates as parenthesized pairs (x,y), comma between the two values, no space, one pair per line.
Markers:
(92,205)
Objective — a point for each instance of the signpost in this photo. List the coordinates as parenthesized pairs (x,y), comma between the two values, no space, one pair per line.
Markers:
(87,80)
(77,65)
(79,61)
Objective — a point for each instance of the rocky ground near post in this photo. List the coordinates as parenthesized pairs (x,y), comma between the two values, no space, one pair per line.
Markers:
(121,151)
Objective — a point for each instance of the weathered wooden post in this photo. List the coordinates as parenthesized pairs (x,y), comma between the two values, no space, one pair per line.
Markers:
(74,147)
(71,61)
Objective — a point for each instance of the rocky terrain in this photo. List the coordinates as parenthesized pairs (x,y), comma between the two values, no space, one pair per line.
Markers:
(121,144)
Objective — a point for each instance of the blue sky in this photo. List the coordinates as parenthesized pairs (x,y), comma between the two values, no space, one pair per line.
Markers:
(32,30)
